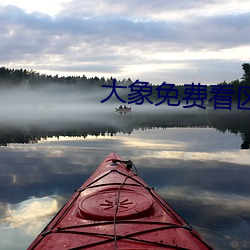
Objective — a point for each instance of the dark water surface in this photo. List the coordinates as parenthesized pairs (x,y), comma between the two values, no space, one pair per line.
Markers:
(195,161)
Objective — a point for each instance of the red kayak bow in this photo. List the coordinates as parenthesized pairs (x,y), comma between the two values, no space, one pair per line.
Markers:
(116,209)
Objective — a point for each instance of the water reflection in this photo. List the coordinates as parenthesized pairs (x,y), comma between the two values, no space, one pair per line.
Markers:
(110,123)
(21,221)
(31,210)
(201,172)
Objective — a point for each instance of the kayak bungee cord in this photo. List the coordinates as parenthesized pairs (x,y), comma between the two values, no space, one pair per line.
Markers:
(129,165)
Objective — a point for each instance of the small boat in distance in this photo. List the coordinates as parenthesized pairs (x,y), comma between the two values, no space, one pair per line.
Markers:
(116,209)
(124,109)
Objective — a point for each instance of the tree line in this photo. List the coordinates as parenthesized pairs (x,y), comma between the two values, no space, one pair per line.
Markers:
(17,77)
(32,79)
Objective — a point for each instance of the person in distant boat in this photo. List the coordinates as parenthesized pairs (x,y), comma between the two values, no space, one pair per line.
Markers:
(125,107)
(120,107)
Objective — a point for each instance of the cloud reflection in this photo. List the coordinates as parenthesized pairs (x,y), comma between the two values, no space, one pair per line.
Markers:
(22,222)
(234,156)
(225,215)
(208,186)
(228,203)
(29,212)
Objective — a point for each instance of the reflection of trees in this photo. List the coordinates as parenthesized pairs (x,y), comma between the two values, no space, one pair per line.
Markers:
(236,122)
(246,140)
(8,137)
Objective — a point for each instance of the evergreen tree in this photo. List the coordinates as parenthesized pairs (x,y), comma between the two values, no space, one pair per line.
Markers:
(246,75)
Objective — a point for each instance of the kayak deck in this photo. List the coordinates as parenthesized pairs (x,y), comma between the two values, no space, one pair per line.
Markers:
(116,209)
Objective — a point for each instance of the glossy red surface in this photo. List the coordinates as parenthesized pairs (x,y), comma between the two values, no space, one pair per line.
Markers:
(116,209)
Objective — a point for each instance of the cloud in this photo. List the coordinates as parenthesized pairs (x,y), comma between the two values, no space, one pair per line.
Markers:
(144,10)
(125,40)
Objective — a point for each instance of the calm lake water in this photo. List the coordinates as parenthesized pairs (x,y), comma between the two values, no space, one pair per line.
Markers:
(198,161)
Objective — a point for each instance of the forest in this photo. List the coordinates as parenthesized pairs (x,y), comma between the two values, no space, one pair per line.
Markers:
(30,79)
(17,77)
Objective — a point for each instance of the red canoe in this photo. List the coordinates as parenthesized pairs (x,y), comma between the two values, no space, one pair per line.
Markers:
(116,209)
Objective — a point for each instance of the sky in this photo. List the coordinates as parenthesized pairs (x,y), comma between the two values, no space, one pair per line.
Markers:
(177,42)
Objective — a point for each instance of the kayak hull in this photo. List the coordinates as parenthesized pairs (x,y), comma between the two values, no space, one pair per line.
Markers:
(116,209)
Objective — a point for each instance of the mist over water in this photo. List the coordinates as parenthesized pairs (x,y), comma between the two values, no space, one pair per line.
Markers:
(52,102)
(60,104)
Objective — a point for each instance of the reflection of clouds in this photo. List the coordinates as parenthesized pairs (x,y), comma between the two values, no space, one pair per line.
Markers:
(29,212)
(234,156)
(79,138)
(189,143)
(228,239)
(2,209)
(228,203)
(183,139)
(222,219)
(147,144)
(48,158)
(155,140)
(22,222)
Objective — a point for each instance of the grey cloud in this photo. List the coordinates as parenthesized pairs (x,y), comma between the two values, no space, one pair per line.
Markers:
(223,31)
(130,8)
(86,38)
(207,71)
(199,32)
(83,68)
